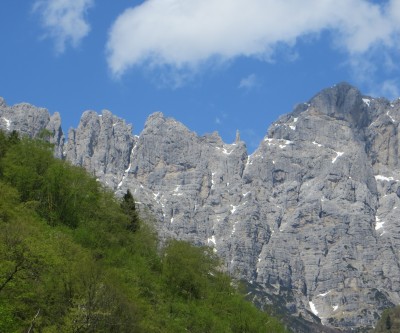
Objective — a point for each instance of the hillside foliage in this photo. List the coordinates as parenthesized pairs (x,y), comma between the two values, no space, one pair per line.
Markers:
(389,322)
(73,258)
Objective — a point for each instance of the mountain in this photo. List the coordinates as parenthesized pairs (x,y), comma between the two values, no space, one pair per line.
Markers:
(308,220)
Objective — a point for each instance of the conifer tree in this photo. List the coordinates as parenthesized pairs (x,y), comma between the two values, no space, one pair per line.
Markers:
(129,208)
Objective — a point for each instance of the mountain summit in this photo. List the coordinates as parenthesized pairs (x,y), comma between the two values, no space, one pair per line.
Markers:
(309,219)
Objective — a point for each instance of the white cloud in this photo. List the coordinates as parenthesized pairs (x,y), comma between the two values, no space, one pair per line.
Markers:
(249,82)
(187,34)
(64,20)
(217,121)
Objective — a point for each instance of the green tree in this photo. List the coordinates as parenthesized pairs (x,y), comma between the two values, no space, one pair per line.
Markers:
(25,165)
(187,268)
(129,208)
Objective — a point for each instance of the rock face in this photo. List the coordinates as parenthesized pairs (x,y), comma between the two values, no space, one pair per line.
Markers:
(102,144)
(31,121)
(309,219)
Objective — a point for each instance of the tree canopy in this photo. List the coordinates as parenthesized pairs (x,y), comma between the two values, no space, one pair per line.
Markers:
(76,259)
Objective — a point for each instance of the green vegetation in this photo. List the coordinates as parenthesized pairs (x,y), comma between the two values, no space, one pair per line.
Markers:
(75,259)
(389,322)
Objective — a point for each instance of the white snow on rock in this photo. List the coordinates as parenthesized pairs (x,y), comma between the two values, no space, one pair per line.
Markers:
(335,307)
(384,178)
(212,240)
(324,294)
(317,144)
(367,101)
(338,154)
(282,143)
(391,118)
(124,176)
(313,308)
(233,210)
(234,228)
(8,123)
(224,150)
(379,223)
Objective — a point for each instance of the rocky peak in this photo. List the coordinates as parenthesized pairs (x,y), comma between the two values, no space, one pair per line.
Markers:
(308,220)
(102,144)
(31,121)
(342,102)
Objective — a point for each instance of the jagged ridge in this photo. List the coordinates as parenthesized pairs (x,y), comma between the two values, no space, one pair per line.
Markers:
(309,217)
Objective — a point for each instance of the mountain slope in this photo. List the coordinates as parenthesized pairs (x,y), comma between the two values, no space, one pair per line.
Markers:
(309,218)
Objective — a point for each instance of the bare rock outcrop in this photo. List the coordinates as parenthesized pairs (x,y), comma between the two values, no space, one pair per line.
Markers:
(309,219)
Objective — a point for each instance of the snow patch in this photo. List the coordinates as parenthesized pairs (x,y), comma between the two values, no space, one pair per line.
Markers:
(224,150)
(391,118)
(295,120)
(313,308)
(177,191)
(338,154)
(227,152)
(293,128)
(8,123)
(317,144)
(246,194)
(269,140)
(234,228)
(335,307)
(124,176)
(384,178)
(379,223)
(324,294)
(233,210)
(129,167)
(367,101)
(212,240)
(283,143)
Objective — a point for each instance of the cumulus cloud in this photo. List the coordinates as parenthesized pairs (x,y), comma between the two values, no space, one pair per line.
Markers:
(249,82)
(64,20)
(187,34)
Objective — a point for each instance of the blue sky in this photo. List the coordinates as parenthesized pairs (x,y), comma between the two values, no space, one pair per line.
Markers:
(212,64)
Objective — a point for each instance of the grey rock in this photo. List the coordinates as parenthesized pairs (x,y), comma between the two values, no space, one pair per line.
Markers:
(31,121)
(56,134)
(102,144)
(309,219)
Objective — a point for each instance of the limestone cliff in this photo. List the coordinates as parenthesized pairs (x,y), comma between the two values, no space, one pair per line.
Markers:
(309,219)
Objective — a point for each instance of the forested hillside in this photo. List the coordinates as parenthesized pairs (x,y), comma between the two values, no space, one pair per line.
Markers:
(73,258)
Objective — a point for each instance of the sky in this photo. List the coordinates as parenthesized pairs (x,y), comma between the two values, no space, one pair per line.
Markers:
(214,65)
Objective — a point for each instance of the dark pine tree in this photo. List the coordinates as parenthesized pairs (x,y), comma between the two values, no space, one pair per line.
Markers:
(129,208)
